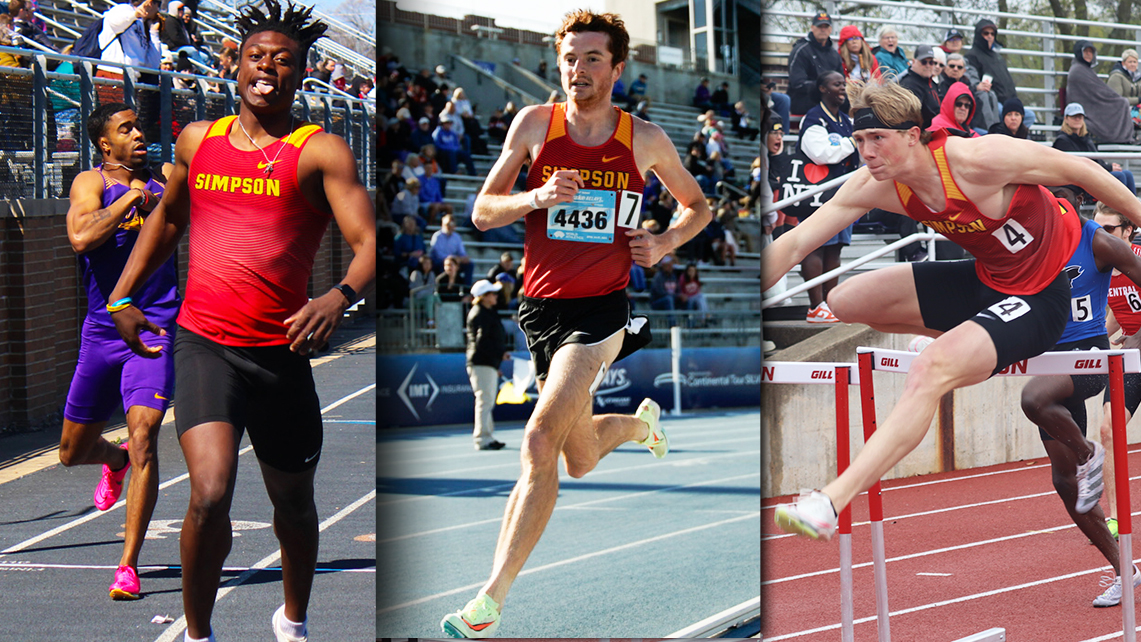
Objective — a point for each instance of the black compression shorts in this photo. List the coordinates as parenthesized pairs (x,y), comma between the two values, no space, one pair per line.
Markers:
(268,391)
(1021,326)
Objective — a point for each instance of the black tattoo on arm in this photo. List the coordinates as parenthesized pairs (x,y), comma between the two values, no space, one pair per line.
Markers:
(100,214)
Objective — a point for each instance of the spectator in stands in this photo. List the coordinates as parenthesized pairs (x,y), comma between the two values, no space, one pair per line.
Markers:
(7,113)
(952,42)
(917,80)
(956,111)
(450,285)
(720,99)
(439,98)
(856,58)
(888,53)
(777,103)
(742,122)
(175,36)
(541,70)
(486,350)
(338,79)
(637,92)
(810,57)
(826,139)
(422,135)
(228,63)
(497,126)
(618,93)
(697,164)
(422,286)
(131,36)
(1125,79)
(701,95)
(409,244)
(1108,114)
(509,112)
(446,242)
(505,265)
(940,65)
(196,40)
(423,80)
(663,287)
(440,74)
(406,202)
(324,73)
(662,209)
(689,293)
(1011,123)
(778,160)
(642,110)
(1075,137)
(24,23)
(989,67)
(447,143)
(431,194)
(461,103)
(65,101)
(954,73)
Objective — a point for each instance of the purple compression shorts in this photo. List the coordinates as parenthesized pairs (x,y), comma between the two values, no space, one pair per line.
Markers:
(109,372)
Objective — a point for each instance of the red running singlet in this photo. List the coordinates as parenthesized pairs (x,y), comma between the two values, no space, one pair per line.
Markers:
(1020,253)
(1125,300)
(580,249)
(253,239)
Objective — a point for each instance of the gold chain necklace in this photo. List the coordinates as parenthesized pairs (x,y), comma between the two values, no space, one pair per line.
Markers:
(285,142)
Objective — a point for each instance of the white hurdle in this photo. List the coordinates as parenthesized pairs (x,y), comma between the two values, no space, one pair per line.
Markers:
(1112,362)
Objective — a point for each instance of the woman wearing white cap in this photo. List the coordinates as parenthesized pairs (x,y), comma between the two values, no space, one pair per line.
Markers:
(486,349)
(1075,137)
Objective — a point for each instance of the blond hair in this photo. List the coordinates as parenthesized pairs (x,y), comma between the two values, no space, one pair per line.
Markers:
(1066,129)
(1106,210)
(891,103)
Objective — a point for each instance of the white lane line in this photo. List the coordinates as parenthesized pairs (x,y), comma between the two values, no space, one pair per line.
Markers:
(579,505)
(937,551)
(172,633)
(572,560)
(122,502)
(35,566)
(704,459)
(933,605)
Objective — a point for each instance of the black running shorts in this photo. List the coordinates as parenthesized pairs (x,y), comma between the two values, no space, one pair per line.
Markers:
(268,391)
(1085,386)
(549,324)
(1021,326)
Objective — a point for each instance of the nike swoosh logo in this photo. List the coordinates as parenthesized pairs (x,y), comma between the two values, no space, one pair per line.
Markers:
(478,627)
(311,457)
(262,165)
(158,396)
(607,159)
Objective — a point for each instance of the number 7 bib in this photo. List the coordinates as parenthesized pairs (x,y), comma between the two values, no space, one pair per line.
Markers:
(591,217)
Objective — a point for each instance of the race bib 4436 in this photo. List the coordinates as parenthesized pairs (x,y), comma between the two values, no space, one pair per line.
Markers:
(593,216)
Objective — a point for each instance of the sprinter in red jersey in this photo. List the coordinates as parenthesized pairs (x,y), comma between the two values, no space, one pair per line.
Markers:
(260,189)
(1010,302)
(582,208)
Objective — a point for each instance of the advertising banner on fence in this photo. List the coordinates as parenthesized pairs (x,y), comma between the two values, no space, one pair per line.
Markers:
(433,389)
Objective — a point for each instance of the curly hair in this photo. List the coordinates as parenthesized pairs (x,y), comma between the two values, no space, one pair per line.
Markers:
(295,23)
(582,20)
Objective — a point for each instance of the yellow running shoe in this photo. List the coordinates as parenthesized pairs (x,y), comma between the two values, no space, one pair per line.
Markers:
(1112,525)
(479,619)
(656,441)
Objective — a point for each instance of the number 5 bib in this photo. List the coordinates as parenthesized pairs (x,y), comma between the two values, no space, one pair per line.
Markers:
(593,215)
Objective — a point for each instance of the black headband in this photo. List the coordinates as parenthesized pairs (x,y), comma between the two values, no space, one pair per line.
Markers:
(867,119)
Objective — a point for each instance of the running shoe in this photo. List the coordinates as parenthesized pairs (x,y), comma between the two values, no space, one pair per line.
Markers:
(1090,482)
(126,584)
(1112,595)
(478,619)
(281,635)
(1111,523)
(821,314)
(111,484)
(650,412)
(812,514)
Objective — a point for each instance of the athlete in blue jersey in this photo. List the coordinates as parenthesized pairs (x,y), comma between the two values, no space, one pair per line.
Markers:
(108,204)
(1056,404)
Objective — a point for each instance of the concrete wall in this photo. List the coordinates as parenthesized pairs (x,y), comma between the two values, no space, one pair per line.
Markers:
(985,422)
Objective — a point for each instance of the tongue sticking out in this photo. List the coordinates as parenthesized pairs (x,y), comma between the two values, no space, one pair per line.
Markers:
(262,88)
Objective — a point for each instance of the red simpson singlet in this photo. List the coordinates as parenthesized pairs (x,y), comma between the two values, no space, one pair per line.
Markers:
(252,240)
(580,249)
(1125,300)
(1020,253)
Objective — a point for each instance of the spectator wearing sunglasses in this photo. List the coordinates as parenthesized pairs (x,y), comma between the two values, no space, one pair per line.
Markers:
(954,72)
(955,112)
(918,81)
(988,73)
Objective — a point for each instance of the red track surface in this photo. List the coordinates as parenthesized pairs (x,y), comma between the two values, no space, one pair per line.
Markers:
(978,531)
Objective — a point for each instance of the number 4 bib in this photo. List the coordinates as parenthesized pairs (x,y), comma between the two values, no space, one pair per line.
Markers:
(593,214)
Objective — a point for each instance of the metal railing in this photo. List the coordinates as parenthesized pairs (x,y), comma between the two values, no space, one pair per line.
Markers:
(43,114)
(527,98)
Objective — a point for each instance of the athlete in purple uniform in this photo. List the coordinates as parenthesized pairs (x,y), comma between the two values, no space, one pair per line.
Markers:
(108,204)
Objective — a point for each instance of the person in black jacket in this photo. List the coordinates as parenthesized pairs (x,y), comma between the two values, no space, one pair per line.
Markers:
(486,349)
(918,81)
(811,56)
(1011,123)
(1074,137)
(986,62)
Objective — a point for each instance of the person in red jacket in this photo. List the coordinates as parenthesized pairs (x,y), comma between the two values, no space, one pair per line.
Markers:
(856,57)
(956,112)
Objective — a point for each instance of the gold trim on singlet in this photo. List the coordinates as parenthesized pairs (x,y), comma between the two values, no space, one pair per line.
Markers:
(904,192)
(220,127)
(950,189)
(558,126)
(625,132)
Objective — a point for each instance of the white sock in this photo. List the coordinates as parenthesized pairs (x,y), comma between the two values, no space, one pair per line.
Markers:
(186,637)
(288,626)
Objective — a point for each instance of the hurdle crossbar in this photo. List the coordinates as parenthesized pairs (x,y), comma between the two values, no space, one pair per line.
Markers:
(1112,362)
(990,635)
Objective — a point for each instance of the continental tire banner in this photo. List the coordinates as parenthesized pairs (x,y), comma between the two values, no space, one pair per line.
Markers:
(433,389)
